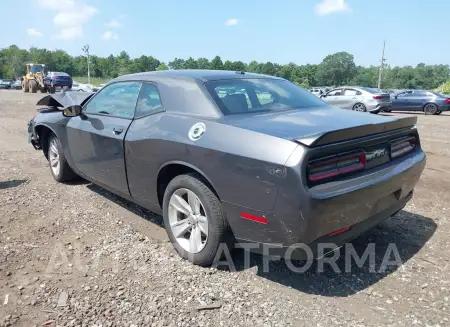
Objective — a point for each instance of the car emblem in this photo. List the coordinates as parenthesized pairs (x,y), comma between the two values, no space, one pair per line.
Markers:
(197,131)
(375,154)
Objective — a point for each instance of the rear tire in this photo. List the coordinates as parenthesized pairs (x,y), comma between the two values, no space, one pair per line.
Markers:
(430,109)
(209,209)
(59,167)
(33,86)
(359,107)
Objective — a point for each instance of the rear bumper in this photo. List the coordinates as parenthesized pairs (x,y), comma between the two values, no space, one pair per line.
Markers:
(307,216)
(381,107)
(62,83)
(325,244)
(444,107)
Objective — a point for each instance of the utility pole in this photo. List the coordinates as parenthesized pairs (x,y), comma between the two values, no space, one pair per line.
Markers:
(381,65)
(86,51)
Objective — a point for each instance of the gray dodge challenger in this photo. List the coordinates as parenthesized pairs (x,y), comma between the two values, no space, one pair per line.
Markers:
(233,157)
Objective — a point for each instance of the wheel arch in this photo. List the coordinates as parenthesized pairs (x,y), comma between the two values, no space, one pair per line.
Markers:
(43,131)
(171,169)
(430,102)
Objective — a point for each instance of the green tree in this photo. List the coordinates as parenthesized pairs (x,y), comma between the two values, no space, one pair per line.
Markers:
(336,69)
(162,66)
(216,63)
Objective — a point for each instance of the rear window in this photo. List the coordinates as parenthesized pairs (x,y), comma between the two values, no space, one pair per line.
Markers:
(239,96)
(372,90)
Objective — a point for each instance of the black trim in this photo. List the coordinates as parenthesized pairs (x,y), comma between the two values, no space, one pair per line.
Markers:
(357,132)
(163,109)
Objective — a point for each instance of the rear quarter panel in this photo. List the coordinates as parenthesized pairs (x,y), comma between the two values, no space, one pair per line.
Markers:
(244,167)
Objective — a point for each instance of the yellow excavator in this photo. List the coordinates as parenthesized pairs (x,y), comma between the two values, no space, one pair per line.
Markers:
(34,78)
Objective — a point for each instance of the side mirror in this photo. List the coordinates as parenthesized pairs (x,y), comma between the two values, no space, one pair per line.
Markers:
(72,111)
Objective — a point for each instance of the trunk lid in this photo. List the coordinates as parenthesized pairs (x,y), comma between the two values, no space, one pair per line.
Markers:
(382,97)
(319,125)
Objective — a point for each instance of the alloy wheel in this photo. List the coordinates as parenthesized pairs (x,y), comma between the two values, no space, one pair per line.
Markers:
(188,220)
(359,107)
(53,157)
(431,109)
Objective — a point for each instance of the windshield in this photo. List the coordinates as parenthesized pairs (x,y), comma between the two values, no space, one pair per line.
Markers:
(238,96)
(36,69)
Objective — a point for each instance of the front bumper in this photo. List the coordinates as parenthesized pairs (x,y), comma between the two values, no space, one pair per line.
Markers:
(31,136)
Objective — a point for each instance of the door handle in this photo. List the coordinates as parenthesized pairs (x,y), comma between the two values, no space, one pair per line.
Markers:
(117,130)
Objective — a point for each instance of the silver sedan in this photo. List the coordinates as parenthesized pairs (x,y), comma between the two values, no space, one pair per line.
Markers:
(357,98)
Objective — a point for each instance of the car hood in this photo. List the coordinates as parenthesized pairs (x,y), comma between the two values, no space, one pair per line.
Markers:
(65,99)
(317,126)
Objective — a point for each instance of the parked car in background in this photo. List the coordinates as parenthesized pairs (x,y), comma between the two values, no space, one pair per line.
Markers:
(430,102)
(364,99)
(81,87)
(317,92)
(6,83)
(172,141)
(57,79)
(17,85)
(390,91)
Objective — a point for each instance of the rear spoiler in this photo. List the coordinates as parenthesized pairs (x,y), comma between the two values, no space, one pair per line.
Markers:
(356,132)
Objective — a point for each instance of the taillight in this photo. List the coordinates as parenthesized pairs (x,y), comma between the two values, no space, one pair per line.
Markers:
(402,146)
(378,97)
(338,165)
(447,101)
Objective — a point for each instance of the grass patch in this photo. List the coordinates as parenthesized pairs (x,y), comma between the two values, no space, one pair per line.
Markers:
(94,80)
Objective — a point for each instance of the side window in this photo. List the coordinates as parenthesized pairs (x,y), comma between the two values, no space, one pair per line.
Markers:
(335,92)
(350,92)
(149,101)
(265,97)
(117,99)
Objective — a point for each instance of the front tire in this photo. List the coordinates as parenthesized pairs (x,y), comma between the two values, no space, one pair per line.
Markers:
(33,86)
(59,167)
(194,220)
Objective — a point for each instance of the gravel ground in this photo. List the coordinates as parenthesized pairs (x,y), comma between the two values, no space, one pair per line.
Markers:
(76,255)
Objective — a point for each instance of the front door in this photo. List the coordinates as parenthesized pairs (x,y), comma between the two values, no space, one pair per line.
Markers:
(96,137)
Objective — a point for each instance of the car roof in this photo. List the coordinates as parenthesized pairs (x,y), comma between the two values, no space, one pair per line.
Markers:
(195,74)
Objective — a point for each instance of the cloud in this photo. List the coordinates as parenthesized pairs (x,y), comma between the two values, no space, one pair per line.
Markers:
(327,7)
(116,22)
(70,17)
(33,32)
(113,23)
(231,22)
(109,35)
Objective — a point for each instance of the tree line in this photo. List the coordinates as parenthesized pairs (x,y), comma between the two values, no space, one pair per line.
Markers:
(335,69)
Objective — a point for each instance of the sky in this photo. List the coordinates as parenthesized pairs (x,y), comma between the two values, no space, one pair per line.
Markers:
(282,31)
